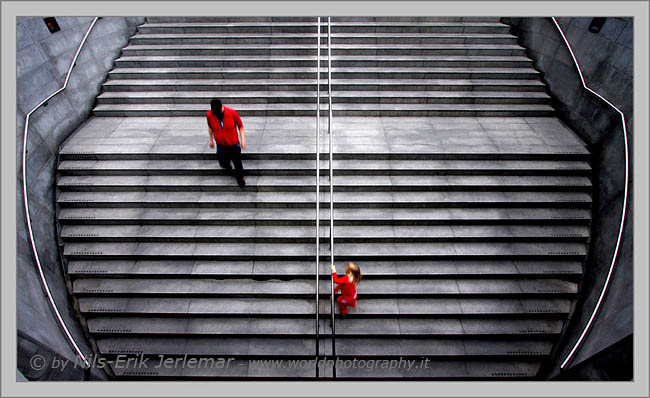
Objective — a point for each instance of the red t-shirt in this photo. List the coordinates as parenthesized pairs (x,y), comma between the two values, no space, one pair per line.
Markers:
(348,289)
(226,135)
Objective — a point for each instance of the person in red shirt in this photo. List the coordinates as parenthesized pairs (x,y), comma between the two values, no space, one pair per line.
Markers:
(347,286)
(223,123)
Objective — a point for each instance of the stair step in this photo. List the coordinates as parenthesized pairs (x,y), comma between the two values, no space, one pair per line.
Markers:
(249,198)
(305,234)
(357,327)
(302,251)
(263,270)
(341,167)
(305,216)
(292,38)
(336,61)
(271,85)
(311,27)
(352,109)
(305,288)
(278,307)
(343,97)
(343,183)
(292,369)
(304,347)
(311,49)
(311,73)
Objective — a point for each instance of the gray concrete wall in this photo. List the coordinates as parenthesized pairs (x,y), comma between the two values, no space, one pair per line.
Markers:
(43,59)
(606,59)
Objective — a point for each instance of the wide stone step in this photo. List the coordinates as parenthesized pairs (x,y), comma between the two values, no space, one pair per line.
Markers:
(304,347)
(433,61)
(420,27)
(229,27)
(310,27)
(305,251)
(311,73)
(311,49)
(348,109)
(557,147)
(272,85)
(340,97)
(305,216)
(302,369)
(341,167)
(337,19)
(306,234)
(310,38)
(306,288)
(405,327)
(249,198)
(264,270)
(342,183)
(237,19)
(412,19)
(280,307)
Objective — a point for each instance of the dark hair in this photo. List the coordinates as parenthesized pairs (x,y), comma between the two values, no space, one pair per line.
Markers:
(215,106)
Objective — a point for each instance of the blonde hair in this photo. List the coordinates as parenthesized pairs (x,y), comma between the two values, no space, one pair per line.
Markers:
(353,269)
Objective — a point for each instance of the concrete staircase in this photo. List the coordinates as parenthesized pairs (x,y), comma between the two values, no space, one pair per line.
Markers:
(380,67)
(470,231)
(470,263)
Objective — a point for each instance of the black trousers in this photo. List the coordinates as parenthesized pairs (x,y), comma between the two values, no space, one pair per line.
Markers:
(227,154)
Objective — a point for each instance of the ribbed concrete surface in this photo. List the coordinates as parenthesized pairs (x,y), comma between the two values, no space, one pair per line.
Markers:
(470,232)
(406,66)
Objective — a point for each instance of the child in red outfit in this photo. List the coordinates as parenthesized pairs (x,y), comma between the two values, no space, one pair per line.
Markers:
(347,286)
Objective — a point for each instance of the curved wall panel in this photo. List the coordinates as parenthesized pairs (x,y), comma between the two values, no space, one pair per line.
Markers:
(42,62)
(606,59)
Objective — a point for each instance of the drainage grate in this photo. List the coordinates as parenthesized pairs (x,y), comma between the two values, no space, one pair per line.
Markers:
(548,291)
(140,373)
(541,310)
(534,331)
(114,330)
(561,271)
(118,351)
(105,310)
(525,353)
(86,253)
(91,271)
(98,290)
(516,374)
(563,253)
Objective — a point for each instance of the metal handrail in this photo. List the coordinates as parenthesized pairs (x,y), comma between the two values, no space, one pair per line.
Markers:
(620,231)
(50,298)
(331,165)
(317,194)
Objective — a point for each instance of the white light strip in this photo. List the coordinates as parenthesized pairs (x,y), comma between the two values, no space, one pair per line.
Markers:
(620,230)
(26,202)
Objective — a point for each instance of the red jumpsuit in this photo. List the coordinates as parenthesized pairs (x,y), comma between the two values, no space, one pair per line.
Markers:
(348,295)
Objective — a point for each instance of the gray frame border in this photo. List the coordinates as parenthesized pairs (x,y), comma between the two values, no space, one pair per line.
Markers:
(637,9)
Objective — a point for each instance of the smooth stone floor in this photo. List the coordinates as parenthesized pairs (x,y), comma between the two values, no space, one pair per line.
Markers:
(350,134)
